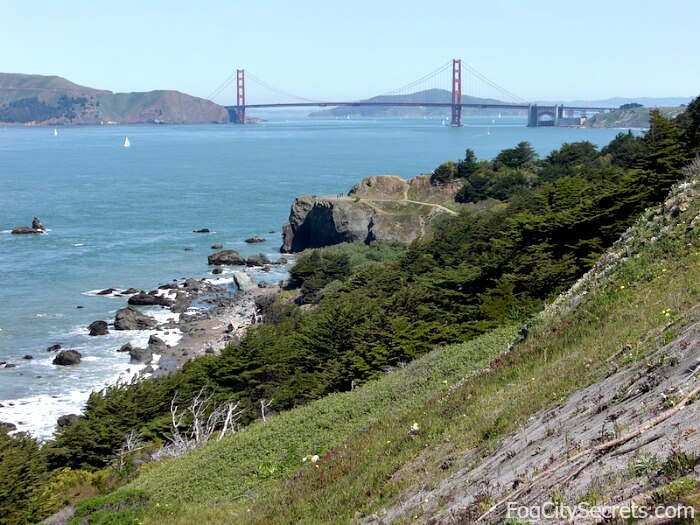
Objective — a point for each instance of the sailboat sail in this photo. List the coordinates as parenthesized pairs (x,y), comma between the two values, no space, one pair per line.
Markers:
(55,132)
(126,142)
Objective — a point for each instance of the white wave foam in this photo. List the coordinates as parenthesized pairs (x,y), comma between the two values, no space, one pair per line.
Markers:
(220,280)
(77,244)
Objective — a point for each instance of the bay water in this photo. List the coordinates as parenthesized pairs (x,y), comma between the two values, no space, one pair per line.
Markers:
(125,217)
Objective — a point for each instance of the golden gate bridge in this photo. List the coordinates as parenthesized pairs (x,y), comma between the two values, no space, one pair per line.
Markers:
(472,90)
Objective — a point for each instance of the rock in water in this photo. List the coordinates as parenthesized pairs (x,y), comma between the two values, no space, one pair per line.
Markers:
(149,299)
(54,348)
(243,281)
(254,239)
(141,355)
(19,230)
(203,230)
(36,227)
(8,426)
(125,348)
(98,328)
(226,257)
(67,358)
(217,246)
(257,260)
(130,318)
(156,344)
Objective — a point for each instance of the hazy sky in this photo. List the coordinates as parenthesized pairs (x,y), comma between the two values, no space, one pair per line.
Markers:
(538,49)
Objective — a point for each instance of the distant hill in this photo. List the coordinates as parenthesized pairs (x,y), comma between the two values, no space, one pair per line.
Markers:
(429,96)
(52,100)
(616,102)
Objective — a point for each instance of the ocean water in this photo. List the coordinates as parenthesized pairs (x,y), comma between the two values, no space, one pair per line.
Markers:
(122,217)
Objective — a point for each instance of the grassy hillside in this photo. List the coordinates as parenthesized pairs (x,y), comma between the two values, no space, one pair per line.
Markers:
(461,401)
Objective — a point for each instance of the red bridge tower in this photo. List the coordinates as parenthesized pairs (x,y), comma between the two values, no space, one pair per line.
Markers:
(456,92)
(240,96)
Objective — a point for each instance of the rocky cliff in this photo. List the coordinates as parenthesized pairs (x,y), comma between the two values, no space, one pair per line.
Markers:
(381,207)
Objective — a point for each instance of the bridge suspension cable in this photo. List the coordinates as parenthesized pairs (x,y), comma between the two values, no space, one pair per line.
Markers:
(424,79)
(492,84)
(226,83)
(279,91)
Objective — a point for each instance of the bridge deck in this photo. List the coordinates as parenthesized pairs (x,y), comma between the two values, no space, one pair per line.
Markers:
(413,104)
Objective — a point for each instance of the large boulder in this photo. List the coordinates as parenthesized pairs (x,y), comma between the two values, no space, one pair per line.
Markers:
(243,281)
(156,344)
(130,318)
(36,227)
(254,239)
(67,358)
(226,257)
(141,355)
(149,299)
(98,328)
(257,260)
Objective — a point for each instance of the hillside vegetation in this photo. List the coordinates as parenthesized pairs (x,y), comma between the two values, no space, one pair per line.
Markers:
(481,271)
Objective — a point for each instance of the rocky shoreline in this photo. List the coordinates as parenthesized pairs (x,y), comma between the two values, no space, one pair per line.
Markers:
(207,315)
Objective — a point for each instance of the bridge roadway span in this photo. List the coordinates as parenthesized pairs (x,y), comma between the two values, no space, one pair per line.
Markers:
(554,114)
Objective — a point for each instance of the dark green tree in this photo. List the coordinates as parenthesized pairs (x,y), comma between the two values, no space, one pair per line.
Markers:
(625,150)
(23,470)
(517,157)
(444,173)
(689,122)
(665,152)
(468,165)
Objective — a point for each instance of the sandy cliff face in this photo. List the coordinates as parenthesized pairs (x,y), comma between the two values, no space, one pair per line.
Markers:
(381,207)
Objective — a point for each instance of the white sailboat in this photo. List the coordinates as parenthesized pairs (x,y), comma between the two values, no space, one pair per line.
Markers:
(55,132)
(127,144)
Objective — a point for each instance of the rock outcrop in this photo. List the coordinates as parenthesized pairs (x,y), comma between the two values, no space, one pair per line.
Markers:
(149,299)
(382,207)
(67,358)
(130,318)
(98,328)
(226,257)
(243,281)
(36,227)
(258,260)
